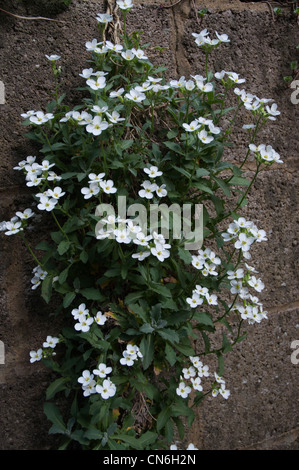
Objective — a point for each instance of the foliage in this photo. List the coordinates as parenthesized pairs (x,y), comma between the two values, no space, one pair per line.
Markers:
(137,307)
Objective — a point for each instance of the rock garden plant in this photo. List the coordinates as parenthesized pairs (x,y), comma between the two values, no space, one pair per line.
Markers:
(150,253)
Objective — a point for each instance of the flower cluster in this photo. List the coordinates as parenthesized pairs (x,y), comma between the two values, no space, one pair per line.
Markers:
(39,275)
(84,318)
(206,261)
(203,134)
(244,233)
(103,386)
(194,373)
(150,186)
(203,40)
(201,295)
(130,355)
(97,184)
(37,117)
(191,446)
(46,351)
(265,154)
(219,387)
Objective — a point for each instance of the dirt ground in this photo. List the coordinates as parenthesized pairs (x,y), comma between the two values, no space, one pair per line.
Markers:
(261,50)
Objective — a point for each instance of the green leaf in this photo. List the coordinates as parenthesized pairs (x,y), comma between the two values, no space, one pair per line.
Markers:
(202,172)
(170,354)
(63,247)
(91,293)
(147,349)
(163,417)
(226,345)
(169,335)
(239,181)
(68,299)
(53,414)
(202,187)
(63,275)
(139,443)
(146,328)
(56,386)
(203,318)
(47,288)
(185,255)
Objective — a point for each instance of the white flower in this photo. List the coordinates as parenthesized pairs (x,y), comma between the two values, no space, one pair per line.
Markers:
(189,372)
(94,178)
(239,273)
(148,190)
(273,111)
(53,57)
(141,255)
(204,137)
(107,390)
(124,4)
(257,284)
(122,236)
(12,228)
(86,73)
(102,370)
(114,47)
(224,392)
(92,190)
(96,126)
(50,342)
(40,118)
(259,235)
(153,171)
(28,114)
(128,54)
(108,187)
(161,191)
(135,95)
(212,299)
(160,252)
(178,83)
(56,193)
(127,359)
(46,203)
(203,371)
(193,126)
(195,300)
(36,355)
(83,324)
(191,447)
(115,94)
(139,53)
(92,45)
(236,286)
(244,242)
(80,311)
(205,87)
(85,378)
(104,17)
(100,318)
(142,239)
(114,117)
(183,390)
(222,37)
(89,389)
(97,84)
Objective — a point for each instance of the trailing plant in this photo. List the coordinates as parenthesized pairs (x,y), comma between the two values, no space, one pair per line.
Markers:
(141,297)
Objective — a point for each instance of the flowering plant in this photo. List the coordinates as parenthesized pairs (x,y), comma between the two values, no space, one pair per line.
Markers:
(141,300)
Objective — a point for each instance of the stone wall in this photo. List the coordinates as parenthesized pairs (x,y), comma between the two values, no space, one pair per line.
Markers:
(262,412)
